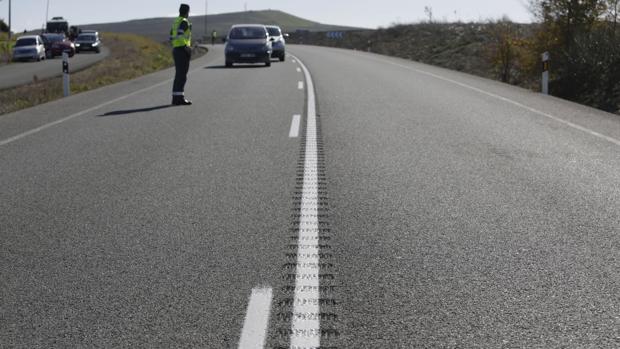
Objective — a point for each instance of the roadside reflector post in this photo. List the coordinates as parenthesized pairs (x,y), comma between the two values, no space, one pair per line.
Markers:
(66,83)
(545,74)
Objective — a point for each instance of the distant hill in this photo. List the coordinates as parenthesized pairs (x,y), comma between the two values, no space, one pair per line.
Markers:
(159,28)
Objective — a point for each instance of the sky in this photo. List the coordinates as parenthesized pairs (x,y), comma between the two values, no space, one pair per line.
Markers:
(31,14)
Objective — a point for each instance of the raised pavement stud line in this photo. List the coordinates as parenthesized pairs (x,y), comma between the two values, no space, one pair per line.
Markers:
(306,330)
(256,319)
(300,85)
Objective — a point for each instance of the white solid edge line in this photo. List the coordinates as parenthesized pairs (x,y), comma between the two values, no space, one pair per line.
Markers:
(72,116)
(294,132)
(306,327)
(256,319)
(507,100)
(300,85)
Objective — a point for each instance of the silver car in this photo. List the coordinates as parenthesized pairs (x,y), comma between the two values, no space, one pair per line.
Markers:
(278,42)
(29,47)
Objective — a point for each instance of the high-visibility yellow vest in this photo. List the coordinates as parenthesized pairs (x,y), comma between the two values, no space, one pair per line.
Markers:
(178,37)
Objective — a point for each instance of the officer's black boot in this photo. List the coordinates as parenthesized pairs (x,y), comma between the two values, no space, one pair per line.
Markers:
(180,100)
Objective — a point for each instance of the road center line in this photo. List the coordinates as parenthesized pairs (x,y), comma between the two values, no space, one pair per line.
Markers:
(256,319)
(294,132)
(299,70)
(306,330)
(504,99)
(300,85)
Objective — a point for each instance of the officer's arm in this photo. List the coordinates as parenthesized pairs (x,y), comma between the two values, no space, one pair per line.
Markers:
(183,27)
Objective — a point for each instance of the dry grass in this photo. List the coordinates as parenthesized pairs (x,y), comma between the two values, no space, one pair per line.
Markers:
(131,56)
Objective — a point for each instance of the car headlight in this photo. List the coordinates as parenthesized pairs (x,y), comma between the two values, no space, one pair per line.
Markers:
(77,45)
(95,44)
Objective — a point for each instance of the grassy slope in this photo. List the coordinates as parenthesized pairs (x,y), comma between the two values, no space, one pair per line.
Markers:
(158,28)
(466,47)
(457,46)
(130,56)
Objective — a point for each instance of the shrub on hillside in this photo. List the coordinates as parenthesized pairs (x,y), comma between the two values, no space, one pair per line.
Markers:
(4,28)
(582,38)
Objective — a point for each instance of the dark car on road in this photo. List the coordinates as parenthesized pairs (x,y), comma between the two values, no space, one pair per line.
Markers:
(88,42)
(248,43)
(56,44)
(278,43)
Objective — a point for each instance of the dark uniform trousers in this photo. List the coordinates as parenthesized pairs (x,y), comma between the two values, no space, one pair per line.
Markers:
(182,56)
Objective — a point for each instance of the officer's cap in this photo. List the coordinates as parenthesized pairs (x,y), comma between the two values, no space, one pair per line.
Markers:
(184,9)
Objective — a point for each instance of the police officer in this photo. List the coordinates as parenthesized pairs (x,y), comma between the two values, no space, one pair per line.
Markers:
(181,39)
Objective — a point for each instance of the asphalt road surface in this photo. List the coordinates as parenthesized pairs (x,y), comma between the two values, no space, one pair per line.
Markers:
(21,73)
(451,212)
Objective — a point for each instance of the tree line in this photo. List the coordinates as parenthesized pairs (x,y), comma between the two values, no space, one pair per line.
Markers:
(4,28)
(583,40)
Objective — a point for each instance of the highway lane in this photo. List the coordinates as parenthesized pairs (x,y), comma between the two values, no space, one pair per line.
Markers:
(21,73)
(141,225)
(460,212)
(461,219)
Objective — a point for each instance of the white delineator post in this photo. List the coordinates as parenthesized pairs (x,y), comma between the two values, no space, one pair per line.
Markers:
(66,87)
(545,74)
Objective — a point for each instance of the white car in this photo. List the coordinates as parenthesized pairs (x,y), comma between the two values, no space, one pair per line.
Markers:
(29,47)
(278,42)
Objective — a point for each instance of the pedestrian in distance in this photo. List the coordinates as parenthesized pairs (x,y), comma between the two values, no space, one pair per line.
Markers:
(213,37)
(181,40)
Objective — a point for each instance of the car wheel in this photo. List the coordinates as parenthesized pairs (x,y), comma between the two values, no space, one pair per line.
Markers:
(97,50)
(229,64)
(283,57)
(268,63)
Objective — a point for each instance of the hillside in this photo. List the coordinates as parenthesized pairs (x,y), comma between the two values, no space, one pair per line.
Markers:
(158,28)
(495,50)
(458,46)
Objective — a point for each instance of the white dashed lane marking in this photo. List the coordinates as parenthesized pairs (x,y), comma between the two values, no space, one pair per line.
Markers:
(294,132)
(256,319)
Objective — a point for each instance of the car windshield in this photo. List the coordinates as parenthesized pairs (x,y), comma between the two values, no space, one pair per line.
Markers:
(26,42)
(248,33)
(274,31)
(54,38)
(87,38)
